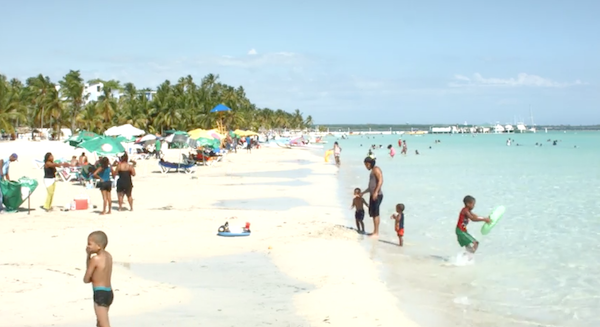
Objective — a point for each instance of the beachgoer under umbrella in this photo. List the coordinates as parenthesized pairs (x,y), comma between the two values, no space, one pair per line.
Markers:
(50,178)
(124,183)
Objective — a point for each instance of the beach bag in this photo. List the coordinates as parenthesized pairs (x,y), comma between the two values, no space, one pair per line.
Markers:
(14,193)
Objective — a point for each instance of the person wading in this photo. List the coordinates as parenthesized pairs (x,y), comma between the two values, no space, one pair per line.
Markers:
(374,188)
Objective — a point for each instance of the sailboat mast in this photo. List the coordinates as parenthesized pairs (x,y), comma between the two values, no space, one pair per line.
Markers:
(531,115)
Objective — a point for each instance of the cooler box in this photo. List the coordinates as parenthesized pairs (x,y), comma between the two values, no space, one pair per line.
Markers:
(81,204)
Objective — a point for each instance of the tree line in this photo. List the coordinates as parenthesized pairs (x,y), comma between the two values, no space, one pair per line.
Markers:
(40,102)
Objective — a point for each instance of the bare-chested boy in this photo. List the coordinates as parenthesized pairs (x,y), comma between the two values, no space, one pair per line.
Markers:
(99,271)
(358,203)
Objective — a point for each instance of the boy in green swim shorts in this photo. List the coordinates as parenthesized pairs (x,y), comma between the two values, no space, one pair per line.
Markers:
(464,238)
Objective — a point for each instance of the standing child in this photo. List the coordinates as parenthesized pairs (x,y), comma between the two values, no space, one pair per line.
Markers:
(464,238)
(398,216)
(99,271)
(103,173)
(357,203)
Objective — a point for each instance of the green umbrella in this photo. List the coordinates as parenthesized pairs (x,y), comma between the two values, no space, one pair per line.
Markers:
(213,143)
(82,136)
(103,146)
(125,139)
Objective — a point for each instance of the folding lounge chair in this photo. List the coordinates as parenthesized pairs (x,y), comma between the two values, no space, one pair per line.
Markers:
(165,167)
(66,174)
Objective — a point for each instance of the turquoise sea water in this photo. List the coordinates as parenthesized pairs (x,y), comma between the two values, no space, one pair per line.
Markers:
(538,267)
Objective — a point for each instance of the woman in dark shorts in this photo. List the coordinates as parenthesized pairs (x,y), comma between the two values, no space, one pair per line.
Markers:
(124,183)
(103,173)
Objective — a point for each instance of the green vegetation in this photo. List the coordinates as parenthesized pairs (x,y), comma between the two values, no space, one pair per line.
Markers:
(185,105)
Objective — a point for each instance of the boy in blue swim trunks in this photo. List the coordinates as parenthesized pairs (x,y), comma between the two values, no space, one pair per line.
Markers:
(463,237)
(99,271)
(357,203)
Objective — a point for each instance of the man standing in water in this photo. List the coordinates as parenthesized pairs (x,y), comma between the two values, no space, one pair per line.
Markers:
(375,184)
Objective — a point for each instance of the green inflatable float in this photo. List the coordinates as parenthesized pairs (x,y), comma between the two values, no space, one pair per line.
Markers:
(495,217)
(14,193)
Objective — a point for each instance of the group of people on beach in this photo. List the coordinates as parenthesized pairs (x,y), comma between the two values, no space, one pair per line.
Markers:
(374,189)
(102,171)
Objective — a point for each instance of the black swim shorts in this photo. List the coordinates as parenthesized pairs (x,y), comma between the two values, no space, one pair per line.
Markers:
(359,215)
(105,186)
(374,205)
(103,298)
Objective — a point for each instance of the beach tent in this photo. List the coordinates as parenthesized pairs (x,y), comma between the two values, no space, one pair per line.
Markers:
(126,130)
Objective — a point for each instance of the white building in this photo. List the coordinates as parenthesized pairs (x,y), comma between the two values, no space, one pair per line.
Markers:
(93,92)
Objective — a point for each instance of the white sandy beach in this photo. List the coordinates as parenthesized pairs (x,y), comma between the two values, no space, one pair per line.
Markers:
(294,225)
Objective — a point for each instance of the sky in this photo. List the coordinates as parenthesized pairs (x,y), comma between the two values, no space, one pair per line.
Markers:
(351,62)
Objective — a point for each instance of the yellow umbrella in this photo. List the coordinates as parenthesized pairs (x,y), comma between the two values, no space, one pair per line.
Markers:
(200,133)
(244,133)
(251,133)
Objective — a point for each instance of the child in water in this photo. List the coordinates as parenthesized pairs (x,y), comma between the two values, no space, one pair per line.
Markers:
(357,203)
(398,216)
(466,214)
(392,151)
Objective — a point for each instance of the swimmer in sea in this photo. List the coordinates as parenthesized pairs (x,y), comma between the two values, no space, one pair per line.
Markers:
(392,151)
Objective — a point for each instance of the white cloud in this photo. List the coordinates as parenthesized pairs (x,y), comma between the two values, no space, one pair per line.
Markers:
(522,79)
(252,52)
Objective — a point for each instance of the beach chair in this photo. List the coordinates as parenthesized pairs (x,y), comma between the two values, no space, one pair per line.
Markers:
(166,167)
(66,174)
(84,175)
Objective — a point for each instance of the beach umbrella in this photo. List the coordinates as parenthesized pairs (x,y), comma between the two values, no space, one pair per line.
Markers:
(122,138)
(207,142)
(126,130)
(149,137)
(82,136)
(177,138)
(200,133)
(104,146)
(220,109)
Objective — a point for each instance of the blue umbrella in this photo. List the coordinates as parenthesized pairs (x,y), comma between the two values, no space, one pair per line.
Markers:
(220,108)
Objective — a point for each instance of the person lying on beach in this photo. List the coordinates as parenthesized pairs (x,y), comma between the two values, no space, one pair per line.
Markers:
(398,216)
(358,203)
(466,214)
(98,272)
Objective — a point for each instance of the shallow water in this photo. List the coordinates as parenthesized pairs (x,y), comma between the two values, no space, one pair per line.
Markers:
(538,267)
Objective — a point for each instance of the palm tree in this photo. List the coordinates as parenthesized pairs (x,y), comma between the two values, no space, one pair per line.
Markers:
(11,105)
(183,105)
(72,89)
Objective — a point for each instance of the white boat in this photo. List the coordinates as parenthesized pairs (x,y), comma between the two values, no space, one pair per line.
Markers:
(498,129)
